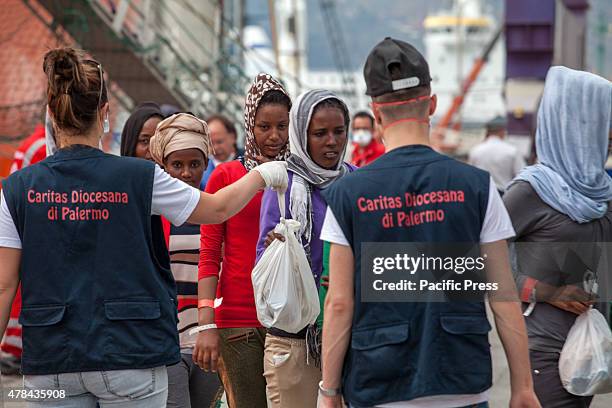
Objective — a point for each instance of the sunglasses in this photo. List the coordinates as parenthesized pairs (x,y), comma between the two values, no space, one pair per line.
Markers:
(99,66)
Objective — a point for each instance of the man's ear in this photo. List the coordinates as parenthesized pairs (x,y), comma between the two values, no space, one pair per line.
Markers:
(433,104)
(376,113)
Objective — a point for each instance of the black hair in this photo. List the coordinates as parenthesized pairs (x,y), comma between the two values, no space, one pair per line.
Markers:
(133,126)
(364,114)
(275,97)
(336,104)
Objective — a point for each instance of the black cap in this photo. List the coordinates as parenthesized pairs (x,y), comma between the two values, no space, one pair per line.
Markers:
(497,123)
(413,68)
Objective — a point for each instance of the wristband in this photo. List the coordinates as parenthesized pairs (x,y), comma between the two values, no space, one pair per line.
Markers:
(328,392)
(532,303)
(528,288)
(528,294)
(206,303)
(202,328)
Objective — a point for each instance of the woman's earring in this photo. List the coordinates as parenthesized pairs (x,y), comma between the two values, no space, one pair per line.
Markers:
(106,124)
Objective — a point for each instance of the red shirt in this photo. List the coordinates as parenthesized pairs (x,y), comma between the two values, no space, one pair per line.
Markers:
(32,150)
(366,155)
(234,241)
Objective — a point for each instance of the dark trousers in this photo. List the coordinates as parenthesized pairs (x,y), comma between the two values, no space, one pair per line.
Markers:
(547,383)
(241,367)
(481,405)
(191,387)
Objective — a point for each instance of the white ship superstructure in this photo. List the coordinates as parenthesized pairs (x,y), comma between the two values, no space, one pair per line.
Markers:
(454,39)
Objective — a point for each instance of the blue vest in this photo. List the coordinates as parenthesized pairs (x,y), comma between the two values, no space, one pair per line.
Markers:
(96,287)
(405,350)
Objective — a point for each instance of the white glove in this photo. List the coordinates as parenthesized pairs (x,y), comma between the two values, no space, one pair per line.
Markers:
(274,174)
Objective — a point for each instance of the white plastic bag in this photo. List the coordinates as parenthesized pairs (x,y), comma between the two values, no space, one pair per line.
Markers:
(585,364)
(286,295)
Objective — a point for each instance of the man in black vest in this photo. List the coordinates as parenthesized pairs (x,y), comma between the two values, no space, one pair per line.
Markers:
(409,353)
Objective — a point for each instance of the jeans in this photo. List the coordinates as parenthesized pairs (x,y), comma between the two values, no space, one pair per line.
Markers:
(143,388)
(190,386)
(241,367)
(481,405)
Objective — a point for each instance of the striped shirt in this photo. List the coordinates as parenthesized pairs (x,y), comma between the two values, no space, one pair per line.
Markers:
(184,250)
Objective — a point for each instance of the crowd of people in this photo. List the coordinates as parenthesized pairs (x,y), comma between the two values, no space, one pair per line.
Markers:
(152,305)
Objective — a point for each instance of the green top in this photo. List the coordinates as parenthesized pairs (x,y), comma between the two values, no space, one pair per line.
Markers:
(322,289)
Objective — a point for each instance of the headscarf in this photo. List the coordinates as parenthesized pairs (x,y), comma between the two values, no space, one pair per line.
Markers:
(571,142)
(262,84)
(306,173)
(133,126)
(300,161)
(180,131)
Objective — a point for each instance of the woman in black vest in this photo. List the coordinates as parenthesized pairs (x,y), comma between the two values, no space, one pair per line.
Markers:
(99,309)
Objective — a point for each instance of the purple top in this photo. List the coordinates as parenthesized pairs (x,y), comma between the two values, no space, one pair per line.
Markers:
(270,217)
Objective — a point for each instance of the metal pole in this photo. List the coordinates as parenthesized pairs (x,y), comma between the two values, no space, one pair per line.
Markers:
(147,30)
(459,53)
(602,32)
(272,14)
(298,46)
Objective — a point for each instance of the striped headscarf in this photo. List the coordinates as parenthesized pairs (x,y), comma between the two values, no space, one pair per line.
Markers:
(262,84)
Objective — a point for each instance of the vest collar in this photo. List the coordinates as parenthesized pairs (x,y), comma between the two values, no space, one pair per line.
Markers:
(76,152)
(412,148)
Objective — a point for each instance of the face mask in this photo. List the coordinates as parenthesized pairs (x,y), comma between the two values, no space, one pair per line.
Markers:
(362,137)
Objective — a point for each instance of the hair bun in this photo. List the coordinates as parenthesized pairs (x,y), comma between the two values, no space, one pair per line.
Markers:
(66,63)
(64,70)
(75,89)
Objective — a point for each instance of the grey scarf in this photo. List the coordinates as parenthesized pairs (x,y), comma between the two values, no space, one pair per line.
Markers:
(306,173)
